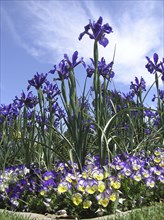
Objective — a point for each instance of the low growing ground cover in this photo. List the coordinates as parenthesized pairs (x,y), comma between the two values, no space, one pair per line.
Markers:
(83,154)
(127,182)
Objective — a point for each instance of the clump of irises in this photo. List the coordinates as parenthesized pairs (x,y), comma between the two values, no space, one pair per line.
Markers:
(84,154)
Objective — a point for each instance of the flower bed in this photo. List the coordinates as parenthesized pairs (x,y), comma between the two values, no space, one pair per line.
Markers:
(127,182)
(86,156)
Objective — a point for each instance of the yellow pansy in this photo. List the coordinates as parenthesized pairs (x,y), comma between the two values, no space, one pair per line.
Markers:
(113,197)
(98,175)
(101,186)
(87,204)
(42,192)
(116,184)
(62,188)
(157,153)
(77,199)
(157,159)
(104,202)
(84,175)
(91,189)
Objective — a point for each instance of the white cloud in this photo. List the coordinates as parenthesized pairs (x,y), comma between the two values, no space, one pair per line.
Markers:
(51,28)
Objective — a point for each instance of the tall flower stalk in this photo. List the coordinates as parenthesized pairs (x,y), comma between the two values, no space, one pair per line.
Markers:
(98,32)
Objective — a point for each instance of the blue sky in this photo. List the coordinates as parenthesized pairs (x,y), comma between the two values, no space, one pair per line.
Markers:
(36,34)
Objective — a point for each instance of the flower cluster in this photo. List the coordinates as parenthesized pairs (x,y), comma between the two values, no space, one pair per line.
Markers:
(95,188)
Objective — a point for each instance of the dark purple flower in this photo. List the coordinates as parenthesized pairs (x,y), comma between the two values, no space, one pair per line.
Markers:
(154,66)
(149,113)
(147,131)
(53,70)
(51,90)
(98,31)
(37,81)
(5,110)
(104,69)
(28,100)
(65,66)
(49,183)
(17,104)
(49,175)
(129,96)
(161,95)
(138,86)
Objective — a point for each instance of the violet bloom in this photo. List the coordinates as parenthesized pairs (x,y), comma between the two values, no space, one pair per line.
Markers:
(127,170)
(28,100)
(138,86)
(53,70)
(150,182)
(155,66)
(37,81)
(148,113)
(5,110)
(129,96)
(49,175)
(65,65)
(104,69)
(49,184)
(161,95)
(51,90)
(98,31)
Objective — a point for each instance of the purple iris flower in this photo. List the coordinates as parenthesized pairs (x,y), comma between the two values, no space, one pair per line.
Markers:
(37,81)
(149,113)
(53,70)
(66,65)
(17,104)
(29,101)
(129,96)
(161,95)
(138,86)
(51,90)
(104,69)
(153,66)
(98,31)
(5,109)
